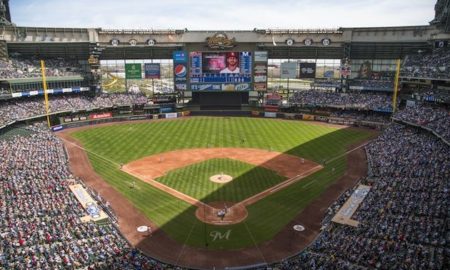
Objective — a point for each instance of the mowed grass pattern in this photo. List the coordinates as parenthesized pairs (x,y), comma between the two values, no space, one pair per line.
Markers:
(127,142)
(247,180)
(108,146)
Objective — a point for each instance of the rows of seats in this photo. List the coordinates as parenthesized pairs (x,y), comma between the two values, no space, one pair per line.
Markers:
(435,118)
(13,110)
(403,219)
(40,221)
(344,100)
(435,65)
(360,116)
(372,85)
(15,68)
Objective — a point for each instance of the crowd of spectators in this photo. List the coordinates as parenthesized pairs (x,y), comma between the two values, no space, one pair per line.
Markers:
(435,65)
(403,221)
(372,85)
(363,101)
(29,107)
(15,68)
(40,221)
(362,116)
(434,118)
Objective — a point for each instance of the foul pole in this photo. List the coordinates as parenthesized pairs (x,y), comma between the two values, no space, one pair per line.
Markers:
(44,84)
(394,97)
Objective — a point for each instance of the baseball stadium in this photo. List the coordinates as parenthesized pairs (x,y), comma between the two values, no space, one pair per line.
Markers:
(225,149)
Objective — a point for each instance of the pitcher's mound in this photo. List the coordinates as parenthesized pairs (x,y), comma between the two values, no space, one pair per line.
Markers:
(221,178)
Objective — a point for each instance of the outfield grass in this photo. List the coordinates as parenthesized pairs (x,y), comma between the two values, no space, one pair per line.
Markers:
(109,146)
(194,180)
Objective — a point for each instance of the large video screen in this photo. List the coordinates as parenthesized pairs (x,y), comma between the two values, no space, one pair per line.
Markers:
(220,71)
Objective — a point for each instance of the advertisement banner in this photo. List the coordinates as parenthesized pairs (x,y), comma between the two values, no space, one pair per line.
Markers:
(288,70)
(441,44)
(221,87)
(363,70)
(206,87)
(236,87)
(180,59)
(180,86)
(133,71)
(180,56)
(152,71)
(166,110)
(58,127)
(260,69)
(260,87)
(94,116)
(260,78)
(270,114)
(261,56)
(180,72)
(321,118)
(308,70)
(308,117)
(328,74)
(171,115)
(345,71)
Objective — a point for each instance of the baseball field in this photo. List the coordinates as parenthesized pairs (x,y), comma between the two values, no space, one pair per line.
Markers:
(164,167)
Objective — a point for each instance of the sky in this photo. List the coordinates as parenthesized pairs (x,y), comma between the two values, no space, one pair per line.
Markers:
(220,14)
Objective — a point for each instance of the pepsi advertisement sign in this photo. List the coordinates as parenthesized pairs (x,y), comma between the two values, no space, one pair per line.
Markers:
(180,69)
(180,72)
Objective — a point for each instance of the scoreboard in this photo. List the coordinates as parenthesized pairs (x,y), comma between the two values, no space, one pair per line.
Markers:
(218,71)
(210,71)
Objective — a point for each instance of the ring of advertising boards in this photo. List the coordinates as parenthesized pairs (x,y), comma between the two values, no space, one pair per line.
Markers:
(220,71)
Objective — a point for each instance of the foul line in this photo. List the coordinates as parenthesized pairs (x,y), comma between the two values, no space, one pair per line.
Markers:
(254,242)
(348,152)
(88,151)
(295,179)
(184,244)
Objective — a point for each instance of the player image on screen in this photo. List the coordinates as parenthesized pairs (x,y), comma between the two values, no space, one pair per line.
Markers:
(232,62)
(212,63)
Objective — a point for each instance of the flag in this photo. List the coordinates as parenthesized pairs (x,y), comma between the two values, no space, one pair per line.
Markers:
(273,41)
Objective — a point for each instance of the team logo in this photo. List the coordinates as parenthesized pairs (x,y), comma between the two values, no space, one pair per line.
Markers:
(180,71)
(92,210)
(216,235)
(220,41)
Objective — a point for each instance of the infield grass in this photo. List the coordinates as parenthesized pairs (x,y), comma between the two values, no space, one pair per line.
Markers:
(247,180)
(108,146)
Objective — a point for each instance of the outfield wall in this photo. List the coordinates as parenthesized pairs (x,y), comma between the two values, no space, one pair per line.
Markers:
(224,113)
